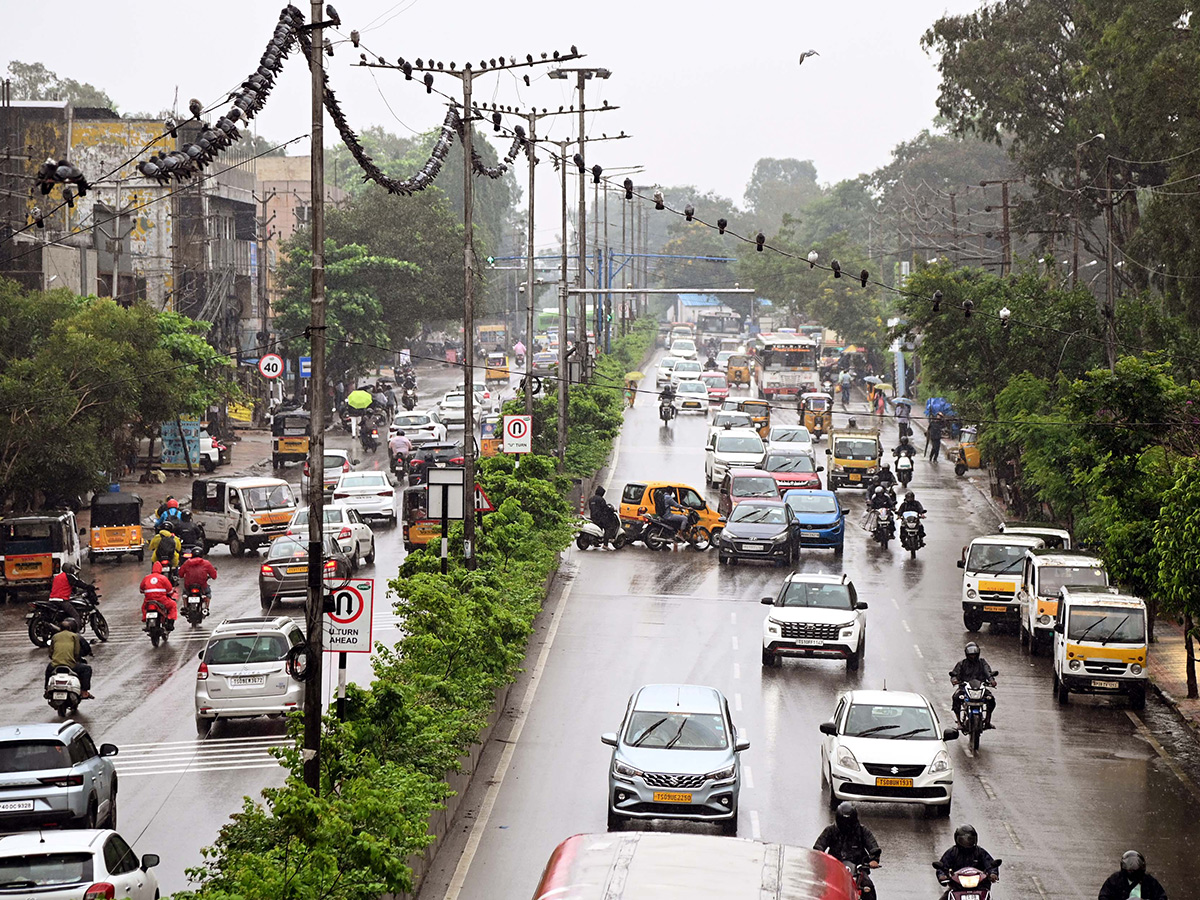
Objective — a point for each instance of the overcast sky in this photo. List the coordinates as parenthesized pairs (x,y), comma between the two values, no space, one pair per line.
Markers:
(705,88)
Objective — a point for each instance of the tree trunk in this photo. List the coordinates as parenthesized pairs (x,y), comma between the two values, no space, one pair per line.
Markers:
(1190,651)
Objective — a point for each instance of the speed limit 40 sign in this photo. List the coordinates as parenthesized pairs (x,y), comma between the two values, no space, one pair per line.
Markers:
(518,434)
(347,627)
(270,365)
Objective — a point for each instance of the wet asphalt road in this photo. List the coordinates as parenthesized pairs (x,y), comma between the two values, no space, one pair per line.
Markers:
(1058,793)
(176,790)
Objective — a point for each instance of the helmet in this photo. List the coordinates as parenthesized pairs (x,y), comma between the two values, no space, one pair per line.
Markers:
(186,515)
(172,503)
(965,837)
(70,568)
(599,490)
(846,816)
(886,466)
(909,495)
(1133,865)
(971,650)
(878,491)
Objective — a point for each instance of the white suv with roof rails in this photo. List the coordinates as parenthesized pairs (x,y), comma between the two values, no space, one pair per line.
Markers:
(243,671)
(815,615)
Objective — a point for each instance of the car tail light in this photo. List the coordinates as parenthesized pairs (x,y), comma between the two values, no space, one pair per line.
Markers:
(459,460)
(215,445)
(101,890)
(306,467)
(202,672)
(343,534)
(385,494)
(346,466)
(63,780)
(416,462)
(331,564)
(340,496)
(268,570)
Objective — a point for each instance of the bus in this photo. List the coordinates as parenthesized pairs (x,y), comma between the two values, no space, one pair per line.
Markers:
(717,325)
(648,865)
(786,365)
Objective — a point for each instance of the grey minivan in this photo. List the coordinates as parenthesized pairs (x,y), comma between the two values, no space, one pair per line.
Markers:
(675,757)
(53,774)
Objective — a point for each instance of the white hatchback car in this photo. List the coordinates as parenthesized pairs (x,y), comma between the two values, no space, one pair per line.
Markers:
(790,439)
(684,348)
(419,427)
(665,367)
(887,746)
(372,494)
(815,614)
(692,396)
(345,525)
(686,370)
(68,865)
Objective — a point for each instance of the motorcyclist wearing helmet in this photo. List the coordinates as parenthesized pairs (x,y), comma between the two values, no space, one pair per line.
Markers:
(601,512)
(1132,881)
(886,477)
(966,853)
(667,395)
(912,504)
(851,842)
(667,508)
(196,573)
(973,667)
(68,649)
(157,588)
(64,584)
(165,547)
(881,497)
(170,513)
(189,533)
(904,448)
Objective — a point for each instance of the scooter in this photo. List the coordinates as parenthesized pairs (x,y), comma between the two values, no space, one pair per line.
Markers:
(972,713)
(63,691)
(369,437)
(193,606)
(592,535)
(158,626)
(966,884)
(408,398)
(904,469)
(860,872)
(666,410)
(884,527)
(910,532)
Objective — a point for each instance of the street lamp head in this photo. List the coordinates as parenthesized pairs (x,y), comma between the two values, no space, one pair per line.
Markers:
(557,73)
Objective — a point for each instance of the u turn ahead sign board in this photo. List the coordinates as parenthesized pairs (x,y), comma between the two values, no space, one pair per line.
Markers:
(518,434)
(348,626)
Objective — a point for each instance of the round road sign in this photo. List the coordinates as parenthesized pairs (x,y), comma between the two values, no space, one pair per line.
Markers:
(516,428)
(348,605)
(270,365)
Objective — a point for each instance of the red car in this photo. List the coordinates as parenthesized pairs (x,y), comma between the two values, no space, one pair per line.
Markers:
(744,484)
(718,387)
(793,471)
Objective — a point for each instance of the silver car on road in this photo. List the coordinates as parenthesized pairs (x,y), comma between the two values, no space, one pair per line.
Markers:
(675,757)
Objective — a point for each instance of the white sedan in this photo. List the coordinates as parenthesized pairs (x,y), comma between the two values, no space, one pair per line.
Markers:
(665,367)
(692,396)
(346,526)
(419,427)
(790,439)
(887,746)
(371,493)
(684,348)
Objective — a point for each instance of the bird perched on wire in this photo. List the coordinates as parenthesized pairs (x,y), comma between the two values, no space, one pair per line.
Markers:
(689,211)
(578,160)
(722,224)
(837,268)
(170,126)
(659,201)
(806,54)
(196,108)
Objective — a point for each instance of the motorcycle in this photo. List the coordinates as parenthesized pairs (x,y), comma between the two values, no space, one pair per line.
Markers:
(44,615)
(659,534)
(910,532)
(157,625)
(973,711)
(193,606)
(904,469)
(666,410)
(592,535)
(408,398)
(960,462)
(883,529)
(966,884)
(860,872)
(63,691)
(369,436)
(190,552)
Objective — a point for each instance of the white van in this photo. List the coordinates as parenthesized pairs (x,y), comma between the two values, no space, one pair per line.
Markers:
(244,512)
(992,567)
(1100,645)
(1046,572)
(34,548)
(1056,538)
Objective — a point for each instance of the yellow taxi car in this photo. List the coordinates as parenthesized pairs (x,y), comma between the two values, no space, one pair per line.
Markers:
(638,500)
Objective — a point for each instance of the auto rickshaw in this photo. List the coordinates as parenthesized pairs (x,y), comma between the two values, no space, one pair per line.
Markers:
(759,412)
(418,528)
(497,368)
(966,456)
(737,371)
(290,432)
(491,436)
(116,526)
(816,408)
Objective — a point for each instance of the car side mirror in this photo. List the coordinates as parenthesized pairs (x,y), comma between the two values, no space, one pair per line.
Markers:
(828,452)
(859,604)
(200,655)
(610,738)
(149,861)
(829,728)
(962,563)
(108,750)
(767,601)
(950,734)
(820,468)
(1058,626)
(354,462)
(741,744)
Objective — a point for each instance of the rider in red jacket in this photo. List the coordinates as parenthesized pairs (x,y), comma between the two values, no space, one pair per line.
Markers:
(196,572)
(157,587)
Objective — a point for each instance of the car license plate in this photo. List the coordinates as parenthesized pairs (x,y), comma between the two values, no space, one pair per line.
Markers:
(753,547)
(995,609)
(247,680)
(808,642)
(856,478)
(670,797)
(691,404)
(17,805)
(296,570)
(58,695)
(810,534)
(894,782)
(1105,684)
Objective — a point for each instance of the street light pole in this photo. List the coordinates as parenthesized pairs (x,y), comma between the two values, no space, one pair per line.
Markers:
(529,263)
(1099,136)
(468,323)
(561,449)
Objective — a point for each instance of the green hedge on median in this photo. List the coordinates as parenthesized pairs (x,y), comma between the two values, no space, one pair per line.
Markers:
(383,769)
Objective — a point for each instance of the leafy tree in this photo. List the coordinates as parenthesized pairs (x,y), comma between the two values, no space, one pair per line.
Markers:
(1177,541)
(33,81)
(780,187)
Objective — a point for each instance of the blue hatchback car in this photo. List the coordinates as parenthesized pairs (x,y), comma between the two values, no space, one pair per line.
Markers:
(822,518)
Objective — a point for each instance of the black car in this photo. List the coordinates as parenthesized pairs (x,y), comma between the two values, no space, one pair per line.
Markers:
(283,575)
(440,455)
(764,530)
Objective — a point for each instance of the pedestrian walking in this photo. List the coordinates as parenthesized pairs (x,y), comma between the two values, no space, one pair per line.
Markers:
(903,411)
(936,429)
(880,405)
(630,393)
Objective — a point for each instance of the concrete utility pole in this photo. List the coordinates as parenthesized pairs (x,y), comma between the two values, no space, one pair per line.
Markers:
(1005,234)
(1109,310)
(1099,136)
(561,450)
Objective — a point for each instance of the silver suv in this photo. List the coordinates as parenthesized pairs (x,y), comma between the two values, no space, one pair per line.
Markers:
(675,757)
(52,774)
(242,671)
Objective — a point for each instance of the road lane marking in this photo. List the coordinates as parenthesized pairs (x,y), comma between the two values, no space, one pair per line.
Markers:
(475,836)
(733,618)
(186,769)
(905,624)
(1162,753)
(737,671)
(748,777)
(1037,883)
(895,604)
(918,649)
(733,638)
(755,830)
(737,702)
(987,788)
(126,748)
(1013,835)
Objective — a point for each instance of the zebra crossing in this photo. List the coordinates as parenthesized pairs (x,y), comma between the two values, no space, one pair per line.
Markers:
(196,756)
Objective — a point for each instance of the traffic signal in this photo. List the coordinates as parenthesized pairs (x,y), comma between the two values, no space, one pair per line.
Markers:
(491,260)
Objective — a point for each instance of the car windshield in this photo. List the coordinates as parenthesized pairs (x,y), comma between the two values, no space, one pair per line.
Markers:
(754,486)
(692,387)
(740,420)
(33,756)
(1054,578)
(855,448)
(732,443)
(366,479)
(808,502)
(715,381)
(1107,625)
(332,461)
(995,558)
(35,870)
(723,356)
(687,365)
(779,462)
(791,435)
(668,362)
(332,515)
(683,344)
(826,596)
(410,421)
(676,731)
(442,454)
(758,515)
(890,722)
(237,650)
(283,548)
(455,400)
(277,496)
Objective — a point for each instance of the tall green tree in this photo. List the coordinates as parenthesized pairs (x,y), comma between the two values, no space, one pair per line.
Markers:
(1177,540)
(778,188)
(33,81)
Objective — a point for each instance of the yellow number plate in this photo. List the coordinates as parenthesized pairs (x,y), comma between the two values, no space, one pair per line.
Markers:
(894,782)
(296,570)
(995,609)
(856,478)
(669,797)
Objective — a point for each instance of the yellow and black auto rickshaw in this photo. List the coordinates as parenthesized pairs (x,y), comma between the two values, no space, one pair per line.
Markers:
(116,526)
(497,368)
(737,370)
(759,412)
(418,529)
(491,434)
(816,409)
(290,433)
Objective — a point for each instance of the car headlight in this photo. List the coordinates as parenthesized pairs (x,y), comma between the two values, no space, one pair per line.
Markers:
(773,629)
(780,538)
(721,774)
(1044,619)
(838,469)
(726,539)
(1135,669)
(628,771)
(775,622)
(1074,664)
(846,760)
(941,762)
(972,593)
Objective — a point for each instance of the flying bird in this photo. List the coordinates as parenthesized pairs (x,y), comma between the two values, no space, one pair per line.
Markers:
(806,54)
